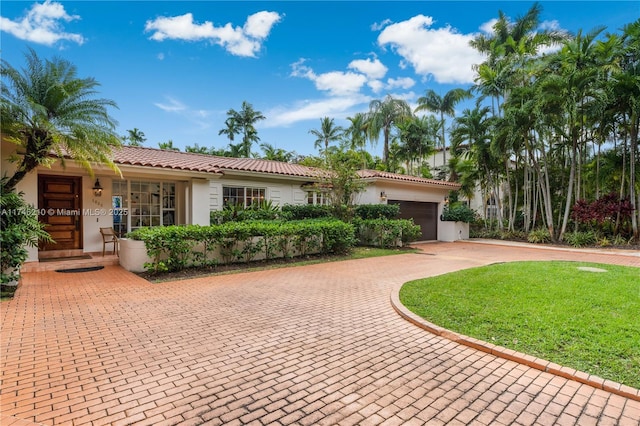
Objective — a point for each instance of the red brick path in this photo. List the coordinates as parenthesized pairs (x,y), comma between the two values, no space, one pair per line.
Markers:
(318,344)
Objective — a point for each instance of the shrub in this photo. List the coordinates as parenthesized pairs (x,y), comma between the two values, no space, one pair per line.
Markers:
(306,211)
(264,210)
(619,240)
(19,228)
(458,213)
(377,211)
(580,239)
(386,232)
(539,236)
(174,248)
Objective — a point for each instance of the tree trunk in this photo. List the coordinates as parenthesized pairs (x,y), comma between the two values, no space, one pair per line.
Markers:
(635,217)
(572,175)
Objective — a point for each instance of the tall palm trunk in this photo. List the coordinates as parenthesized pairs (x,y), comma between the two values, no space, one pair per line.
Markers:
(572,176)
(635,217)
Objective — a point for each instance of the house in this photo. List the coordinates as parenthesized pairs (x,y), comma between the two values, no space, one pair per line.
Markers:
(160,187)
(481,202)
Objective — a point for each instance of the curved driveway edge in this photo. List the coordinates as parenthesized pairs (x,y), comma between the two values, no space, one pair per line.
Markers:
(510,354)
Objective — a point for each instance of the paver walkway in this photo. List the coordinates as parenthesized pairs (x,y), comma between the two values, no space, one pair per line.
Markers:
(318,344)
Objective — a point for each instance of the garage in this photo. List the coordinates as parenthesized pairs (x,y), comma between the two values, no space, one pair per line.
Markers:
(423,214)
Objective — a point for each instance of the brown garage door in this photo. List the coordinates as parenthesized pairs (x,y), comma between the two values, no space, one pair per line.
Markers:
(423,214)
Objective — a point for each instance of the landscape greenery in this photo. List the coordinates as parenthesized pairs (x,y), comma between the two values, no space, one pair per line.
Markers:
(264,232)
(579,315)
(554,130)
(552,141)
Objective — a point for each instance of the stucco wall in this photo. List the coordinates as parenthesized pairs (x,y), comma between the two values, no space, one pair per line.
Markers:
(199,201)
(280,193)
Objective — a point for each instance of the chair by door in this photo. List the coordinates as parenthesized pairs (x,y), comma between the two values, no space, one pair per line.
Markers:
(109,237)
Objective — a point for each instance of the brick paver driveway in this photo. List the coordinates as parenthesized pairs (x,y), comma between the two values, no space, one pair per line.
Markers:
(317,344)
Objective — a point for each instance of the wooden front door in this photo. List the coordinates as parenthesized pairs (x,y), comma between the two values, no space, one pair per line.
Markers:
(60,204)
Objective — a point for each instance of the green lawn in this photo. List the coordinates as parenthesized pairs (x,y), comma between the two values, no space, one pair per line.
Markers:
(586,320)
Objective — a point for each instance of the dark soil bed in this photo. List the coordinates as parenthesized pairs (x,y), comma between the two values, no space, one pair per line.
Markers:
(194,272)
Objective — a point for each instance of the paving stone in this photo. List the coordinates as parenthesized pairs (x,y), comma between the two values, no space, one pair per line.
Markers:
(318,344)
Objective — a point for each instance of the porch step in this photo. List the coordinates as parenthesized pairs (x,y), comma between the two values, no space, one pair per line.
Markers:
(51,265)
(52,254)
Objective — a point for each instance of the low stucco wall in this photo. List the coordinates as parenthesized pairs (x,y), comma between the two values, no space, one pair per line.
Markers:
(453,231)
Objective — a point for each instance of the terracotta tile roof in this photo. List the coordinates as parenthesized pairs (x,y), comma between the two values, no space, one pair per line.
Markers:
(151,157)
(377,174)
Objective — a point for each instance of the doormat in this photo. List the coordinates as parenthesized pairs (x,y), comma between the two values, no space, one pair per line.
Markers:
(87,269)
(61,259)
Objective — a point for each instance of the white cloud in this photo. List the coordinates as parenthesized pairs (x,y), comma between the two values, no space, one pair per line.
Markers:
(336,107)
(172,106)
(441,53)
(340,83)
(42,24)
(336,83)
(240,41)
(402,82)
(376,85)
(259,24)
(371,68)
(199,117)
(380,25)
(487,27)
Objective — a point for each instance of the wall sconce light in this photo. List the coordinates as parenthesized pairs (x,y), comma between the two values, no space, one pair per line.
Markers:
(446,201)
(383,196)
(97,188)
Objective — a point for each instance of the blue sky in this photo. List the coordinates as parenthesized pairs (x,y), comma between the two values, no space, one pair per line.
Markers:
(175,67)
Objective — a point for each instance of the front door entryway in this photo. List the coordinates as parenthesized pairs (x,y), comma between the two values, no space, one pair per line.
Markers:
(59,204)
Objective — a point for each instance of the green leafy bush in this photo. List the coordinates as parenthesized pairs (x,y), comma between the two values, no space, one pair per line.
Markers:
(386,233)
(458,213)
(378,211)
(264,210)
(581,239)
(174,248)
(306,211)
(539,236)
(19,228)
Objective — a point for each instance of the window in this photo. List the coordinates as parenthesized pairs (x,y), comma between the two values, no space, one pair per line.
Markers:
(317,197)
(492,209)
(119,202)
(242,196)
(143,203)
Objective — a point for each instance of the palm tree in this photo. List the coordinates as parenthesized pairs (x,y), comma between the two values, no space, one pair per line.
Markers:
(135,137)
(197,149)
(382,116)
(168,145)
(417,140)
(243,123)
(270,152)
(443,105)
(356,135)
(472,135)
(327,133)
(524,31)
(630,74)
(567,90)
(47,110)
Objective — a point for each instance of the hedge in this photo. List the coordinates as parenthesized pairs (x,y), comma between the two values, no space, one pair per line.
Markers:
(378,211)
(386,233)
(174,248)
